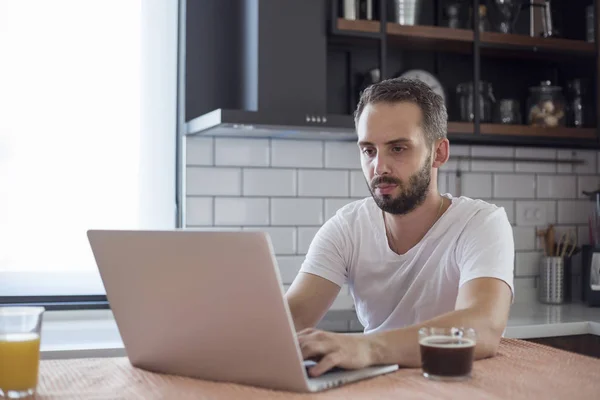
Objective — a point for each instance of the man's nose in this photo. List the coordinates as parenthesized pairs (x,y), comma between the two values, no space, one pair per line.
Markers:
(381,165)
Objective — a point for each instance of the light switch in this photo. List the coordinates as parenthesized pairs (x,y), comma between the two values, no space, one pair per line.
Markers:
(531,214)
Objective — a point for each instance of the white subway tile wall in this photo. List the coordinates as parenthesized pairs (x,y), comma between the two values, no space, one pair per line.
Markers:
(358,184)
(573,211)
(199,150)
(556,186)
(296,153)
(199,211)
(477,185)
(283,238)
(492,166)
(588,183)
(204,181)
(269,182)
(589,161)
(241,211)
(305,236)
(511,186)
(457,159)
(442,182)
(323,183)
(524,237)
(296,211)
(332,205)
(342,155)
(245,152)
(527,152)
(290,188)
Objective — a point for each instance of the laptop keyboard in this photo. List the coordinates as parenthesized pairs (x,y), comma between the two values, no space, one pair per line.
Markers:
(309,364)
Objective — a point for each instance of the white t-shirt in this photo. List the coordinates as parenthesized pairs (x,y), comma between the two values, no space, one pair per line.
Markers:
(472,239)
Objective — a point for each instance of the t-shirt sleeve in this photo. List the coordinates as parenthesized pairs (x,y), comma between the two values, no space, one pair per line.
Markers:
(486,248)
(327,255)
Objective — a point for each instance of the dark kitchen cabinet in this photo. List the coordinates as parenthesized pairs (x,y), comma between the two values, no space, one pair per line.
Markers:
(588,345)
(510,62)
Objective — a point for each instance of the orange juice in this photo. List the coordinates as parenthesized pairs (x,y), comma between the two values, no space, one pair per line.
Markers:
(19,361)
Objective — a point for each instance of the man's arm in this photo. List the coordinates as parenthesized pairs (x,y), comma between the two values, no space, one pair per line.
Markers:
(309,298)
(482,304)
(321,276)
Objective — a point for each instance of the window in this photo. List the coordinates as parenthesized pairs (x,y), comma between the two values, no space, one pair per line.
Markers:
(87,135)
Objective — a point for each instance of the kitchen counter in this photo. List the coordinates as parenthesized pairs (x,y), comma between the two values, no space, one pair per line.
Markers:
(526,321)
(540,320)
(94,333)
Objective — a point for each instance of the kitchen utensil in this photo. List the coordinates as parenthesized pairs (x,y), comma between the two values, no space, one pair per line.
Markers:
(550,240)
(484,22)
(504,13)
(541,24)
(577,106)
(350,9)
(406,12)
(546,105)
(566,245)
(509,112)
(549,30)
(366,80)
(426,77)
(466,101)
(590,275)
(594,217)
(456,14)
(551,286)
(547,237)
(589,24)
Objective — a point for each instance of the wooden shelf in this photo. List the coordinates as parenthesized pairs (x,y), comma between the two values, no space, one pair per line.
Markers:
(493,41)
(526,130)
(461,127)
(522,130)
(439,38)
(431,37)
(357,26)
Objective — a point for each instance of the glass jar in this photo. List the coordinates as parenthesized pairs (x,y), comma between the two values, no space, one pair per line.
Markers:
(578,105)
(466,102)
(546,105)
(509,112)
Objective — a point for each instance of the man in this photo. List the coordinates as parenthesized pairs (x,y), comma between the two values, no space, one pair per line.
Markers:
(411,257)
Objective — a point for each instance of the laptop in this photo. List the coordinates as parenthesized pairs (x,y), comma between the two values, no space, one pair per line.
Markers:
(207,305)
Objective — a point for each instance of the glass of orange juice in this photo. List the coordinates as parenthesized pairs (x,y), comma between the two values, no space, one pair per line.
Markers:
(20,329)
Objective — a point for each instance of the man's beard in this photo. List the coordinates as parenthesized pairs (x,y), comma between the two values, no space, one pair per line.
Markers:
(410,196)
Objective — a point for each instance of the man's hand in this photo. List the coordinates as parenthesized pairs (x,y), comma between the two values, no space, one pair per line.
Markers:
(350,351)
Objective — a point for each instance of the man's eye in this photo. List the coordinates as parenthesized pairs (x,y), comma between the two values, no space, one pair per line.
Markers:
(397,149)
(368,152)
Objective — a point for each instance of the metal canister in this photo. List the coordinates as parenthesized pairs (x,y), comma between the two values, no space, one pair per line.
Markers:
(406,12)
(590,24)
(350,10)
(552,285)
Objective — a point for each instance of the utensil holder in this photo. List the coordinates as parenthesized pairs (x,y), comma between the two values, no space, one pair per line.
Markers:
(552,285)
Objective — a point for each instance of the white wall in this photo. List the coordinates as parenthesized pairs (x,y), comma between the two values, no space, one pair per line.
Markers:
(290,188)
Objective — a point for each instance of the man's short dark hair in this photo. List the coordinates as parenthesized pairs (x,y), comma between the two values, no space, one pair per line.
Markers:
(435,116)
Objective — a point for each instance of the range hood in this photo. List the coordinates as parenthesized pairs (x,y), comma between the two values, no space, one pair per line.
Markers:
(280,73)
(292,125)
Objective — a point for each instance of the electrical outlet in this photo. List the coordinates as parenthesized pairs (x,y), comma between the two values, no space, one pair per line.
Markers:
(531,214)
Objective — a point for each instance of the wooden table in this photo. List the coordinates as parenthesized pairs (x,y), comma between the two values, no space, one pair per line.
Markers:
(521,370)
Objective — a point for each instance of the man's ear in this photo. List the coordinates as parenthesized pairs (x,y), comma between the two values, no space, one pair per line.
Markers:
(441,152)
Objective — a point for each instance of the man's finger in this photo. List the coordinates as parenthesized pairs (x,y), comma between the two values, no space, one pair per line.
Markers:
(311,348)
(306,331)
(329,361)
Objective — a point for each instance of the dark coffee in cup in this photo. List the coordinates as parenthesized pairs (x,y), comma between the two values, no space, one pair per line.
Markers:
(446,356)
